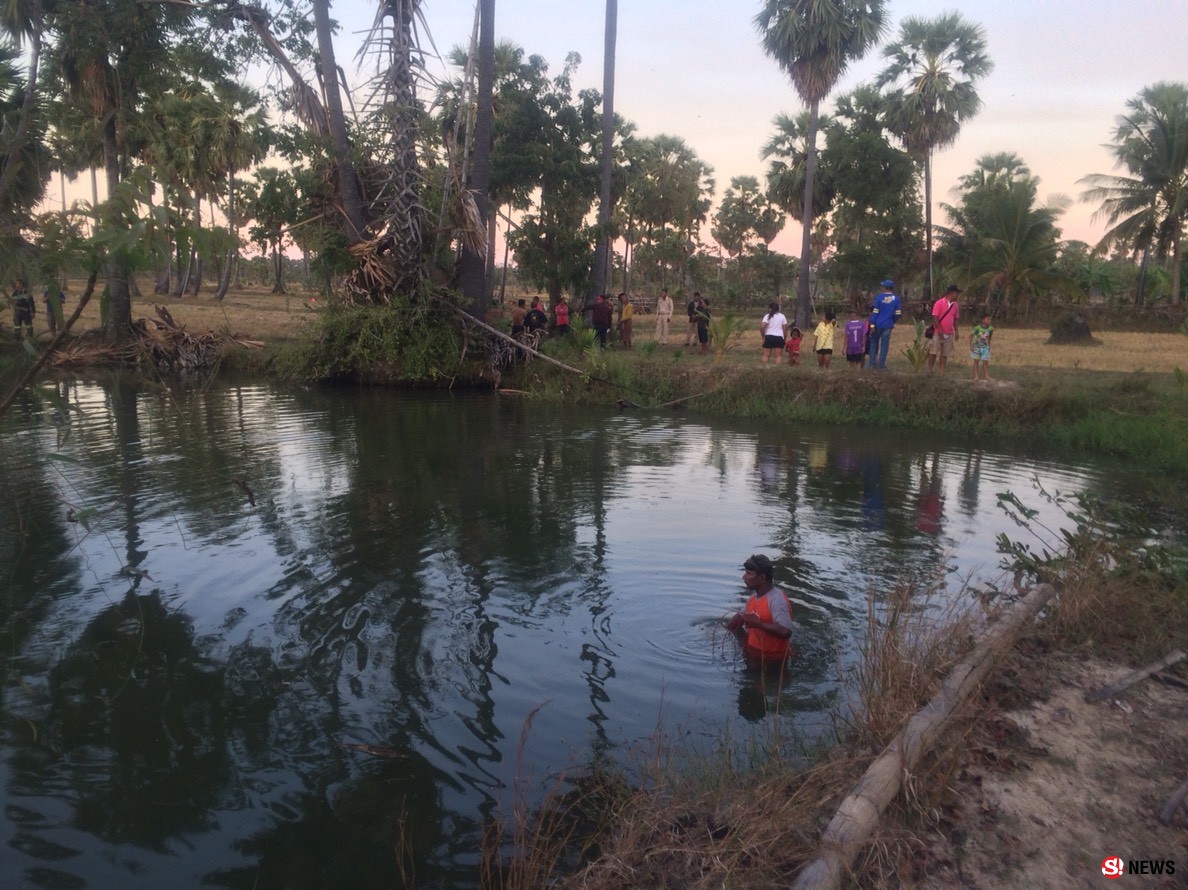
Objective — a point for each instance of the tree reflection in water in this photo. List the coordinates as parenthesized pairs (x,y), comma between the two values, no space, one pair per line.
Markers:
(417,574)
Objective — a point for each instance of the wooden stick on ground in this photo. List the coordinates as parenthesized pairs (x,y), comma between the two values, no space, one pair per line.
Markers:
(1173,803)
(859,813)
(1129,680)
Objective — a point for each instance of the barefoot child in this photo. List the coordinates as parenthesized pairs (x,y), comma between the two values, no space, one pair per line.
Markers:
(979,346)
(792,345)
(824,340)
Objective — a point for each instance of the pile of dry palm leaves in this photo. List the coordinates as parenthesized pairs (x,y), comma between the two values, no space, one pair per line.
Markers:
(160,341)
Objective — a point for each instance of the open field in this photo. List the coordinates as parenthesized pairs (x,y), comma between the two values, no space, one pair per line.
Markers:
(263,316)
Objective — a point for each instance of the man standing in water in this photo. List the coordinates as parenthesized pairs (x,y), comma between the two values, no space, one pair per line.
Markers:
(766,618)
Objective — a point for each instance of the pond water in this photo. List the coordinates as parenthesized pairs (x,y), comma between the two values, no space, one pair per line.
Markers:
(211,598)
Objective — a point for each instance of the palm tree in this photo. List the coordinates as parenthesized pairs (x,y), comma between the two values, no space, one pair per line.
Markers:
(814,41)
(1007,245)
(787,170)
(605,198)
(472,266)
(1147,210)
(932,72)
(994,168)
(240,137)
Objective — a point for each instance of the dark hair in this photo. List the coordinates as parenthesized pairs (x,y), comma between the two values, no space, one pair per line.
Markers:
(829,316)
(773,307)
(757,562)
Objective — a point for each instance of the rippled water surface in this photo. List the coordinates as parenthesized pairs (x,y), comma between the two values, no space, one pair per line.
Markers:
(212,599)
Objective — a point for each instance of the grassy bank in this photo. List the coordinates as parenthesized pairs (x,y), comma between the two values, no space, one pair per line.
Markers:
(1124,396)
(1136,416)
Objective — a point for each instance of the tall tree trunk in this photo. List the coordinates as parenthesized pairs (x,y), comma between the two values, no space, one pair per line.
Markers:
(278,269)
(1140,291)
(233,241)
(196,258)
(119,301)
(803,295)
(602,249)
(1176,272)
(405,211)
(928,227)
(506,251)
(472,267)
(348,180)
(492,231)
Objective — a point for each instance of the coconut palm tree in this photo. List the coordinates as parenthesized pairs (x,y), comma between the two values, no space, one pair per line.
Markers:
(814,41)
(1147,209)
(932,72)
(1003,242)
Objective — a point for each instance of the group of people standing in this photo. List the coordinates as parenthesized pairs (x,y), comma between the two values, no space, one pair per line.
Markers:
(867,342)
(24,308)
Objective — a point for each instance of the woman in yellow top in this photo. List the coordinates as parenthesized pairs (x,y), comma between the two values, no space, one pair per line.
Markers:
(626,315)
(824,336)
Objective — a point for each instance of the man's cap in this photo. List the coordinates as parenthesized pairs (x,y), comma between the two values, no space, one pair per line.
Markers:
(888,283)
(953,289)
(761,564)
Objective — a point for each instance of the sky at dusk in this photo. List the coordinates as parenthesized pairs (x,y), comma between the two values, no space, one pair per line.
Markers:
(1064,70)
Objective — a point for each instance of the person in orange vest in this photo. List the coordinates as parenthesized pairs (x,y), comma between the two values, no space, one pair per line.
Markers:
(766,619)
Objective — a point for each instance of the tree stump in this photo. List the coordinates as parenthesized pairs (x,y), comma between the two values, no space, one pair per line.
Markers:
(1073,329)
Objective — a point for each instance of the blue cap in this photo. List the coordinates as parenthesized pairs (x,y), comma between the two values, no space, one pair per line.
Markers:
(888,283)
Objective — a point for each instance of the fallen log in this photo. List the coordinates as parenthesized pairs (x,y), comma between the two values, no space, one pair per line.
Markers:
(859,813)
(1173,657)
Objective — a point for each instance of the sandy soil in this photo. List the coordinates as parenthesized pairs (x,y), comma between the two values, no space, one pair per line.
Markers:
(1048,785)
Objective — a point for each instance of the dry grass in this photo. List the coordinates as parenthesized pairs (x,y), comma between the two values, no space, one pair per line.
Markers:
(256,313)
(252,312)
(1014,349)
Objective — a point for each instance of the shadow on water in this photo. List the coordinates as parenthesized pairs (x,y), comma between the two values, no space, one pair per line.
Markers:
(266,638)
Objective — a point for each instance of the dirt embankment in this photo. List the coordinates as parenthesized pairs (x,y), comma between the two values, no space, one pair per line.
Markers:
(1048,785)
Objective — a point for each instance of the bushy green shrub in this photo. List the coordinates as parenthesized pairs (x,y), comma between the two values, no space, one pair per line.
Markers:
(415,338)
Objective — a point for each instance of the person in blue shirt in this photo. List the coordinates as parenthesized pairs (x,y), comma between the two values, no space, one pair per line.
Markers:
(883,316)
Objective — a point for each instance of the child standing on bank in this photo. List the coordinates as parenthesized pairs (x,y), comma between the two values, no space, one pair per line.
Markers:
(792,345)
(854,335)
(824,340)
(979,346)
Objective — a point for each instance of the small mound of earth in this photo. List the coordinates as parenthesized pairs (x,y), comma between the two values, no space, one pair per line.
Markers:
(1050,788)
(1072,330)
